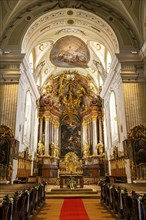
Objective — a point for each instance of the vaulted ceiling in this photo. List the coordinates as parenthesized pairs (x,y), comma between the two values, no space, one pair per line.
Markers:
(106,27)
(126,17)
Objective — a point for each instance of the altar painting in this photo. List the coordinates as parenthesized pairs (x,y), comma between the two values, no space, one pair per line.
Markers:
(70,139)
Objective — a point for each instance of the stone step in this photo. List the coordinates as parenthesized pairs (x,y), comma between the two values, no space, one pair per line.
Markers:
(72,192)
(75,189)
(61,196)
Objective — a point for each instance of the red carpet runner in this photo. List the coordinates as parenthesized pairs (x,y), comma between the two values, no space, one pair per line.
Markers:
(73,209)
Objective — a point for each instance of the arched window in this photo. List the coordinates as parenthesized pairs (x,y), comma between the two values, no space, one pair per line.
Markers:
(27,122)
(113,118)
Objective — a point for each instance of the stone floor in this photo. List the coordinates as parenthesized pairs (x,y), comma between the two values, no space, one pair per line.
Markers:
(95,209)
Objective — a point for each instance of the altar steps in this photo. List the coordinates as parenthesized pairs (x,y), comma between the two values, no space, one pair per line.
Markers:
(72,193)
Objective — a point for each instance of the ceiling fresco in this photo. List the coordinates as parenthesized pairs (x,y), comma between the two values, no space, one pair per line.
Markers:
(70,51)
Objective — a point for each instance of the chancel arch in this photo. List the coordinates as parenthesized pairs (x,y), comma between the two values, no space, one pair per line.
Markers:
(70,66)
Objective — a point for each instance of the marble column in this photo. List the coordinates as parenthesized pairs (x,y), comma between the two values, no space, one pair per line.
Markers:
(90,134)
(100,130)
(55,135)
(47,136)
(41,130)
(94,141)
(52,133)
(84,130)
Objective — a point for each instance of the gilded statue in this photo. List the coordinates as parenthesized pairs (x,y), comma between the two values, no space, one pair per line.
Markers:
(100,148)
(40,148)
(132,168)
(62,78)
(115,152)
(86,151)
(9,171)
(54,150)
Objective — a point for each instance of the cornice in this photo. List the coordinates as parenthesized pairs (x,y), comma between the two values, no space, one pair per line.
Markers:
(11,58)
(10,68)
(132,67)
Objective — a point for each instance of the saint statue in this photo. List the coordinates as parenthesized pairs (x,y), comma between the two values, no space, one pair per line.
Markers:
(54,150)
(40,148)
(100,148)
(9,171)
(86,151)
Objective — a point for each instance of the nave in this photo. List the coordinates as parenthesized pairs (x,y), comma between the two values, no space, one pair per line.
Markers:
(94,209)
(72,102)
(99,201)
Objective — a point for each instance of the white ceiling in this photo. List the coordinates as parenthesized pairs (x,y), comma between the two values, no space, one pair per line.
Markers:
(28,26)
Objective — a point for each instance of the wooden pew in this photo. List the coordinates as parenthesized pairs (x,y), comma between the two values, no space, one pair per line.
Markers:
(27,198)
(5,207)
(123,199)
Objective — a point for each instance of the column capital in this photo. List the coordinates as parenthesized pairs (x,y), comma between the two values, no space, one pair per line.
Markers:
(47,118)
(10,67)
(132,67)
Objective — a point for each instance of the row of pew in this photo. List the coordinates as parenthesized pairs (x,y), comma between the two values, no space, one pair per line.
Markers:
(127,201)
(21,201)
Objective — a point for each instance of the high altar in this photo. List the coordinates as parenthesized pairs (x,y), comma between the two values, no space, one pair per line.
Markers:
(71,129)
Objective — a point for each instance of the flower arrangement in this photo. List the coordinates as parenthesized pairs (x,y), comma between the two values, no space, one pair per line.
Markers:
(71,182)
(142,198)
(7,200)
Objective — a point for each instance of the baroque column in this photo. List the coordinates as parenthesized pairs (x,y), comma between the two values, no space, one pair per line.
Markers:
(47,136)
(56,135)
(100,130)
(94,124)
(41,130)
(84,130)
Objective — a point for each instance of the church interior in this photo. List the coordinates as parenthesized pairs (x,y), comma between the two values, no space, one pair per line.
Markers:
(73,104)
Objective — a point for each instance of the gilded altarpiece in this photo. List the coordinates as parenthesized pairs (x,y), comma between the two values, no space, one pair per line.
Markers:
(135,151)
(70,110)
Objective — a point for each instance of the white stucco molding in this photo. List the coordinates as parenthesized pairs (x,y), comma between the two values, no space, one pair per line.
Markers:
(52,23)
(25,68)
